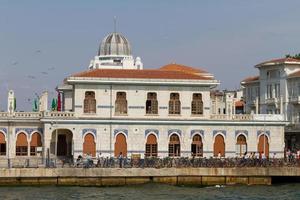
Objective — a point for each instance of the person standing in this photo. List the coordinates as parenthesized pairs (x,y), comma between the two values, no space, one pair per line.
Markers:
(120,159)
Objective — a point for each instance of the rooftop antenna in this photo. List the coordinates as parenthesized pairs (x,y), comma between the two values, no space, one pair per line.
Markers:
(115,24)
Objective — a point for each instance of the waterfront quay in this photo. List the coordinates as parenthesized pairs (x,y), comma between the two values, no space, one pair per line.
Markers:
(130,176)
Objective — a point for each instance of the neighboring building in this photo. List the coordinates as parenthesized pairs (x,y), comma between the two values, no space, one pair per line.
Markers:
(227,102)
(108,110)
(276,90)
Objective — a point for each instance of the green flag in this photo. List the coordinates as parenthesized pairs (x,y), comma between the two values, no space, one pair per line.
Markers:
(35,106)
(15,104)
(53,104)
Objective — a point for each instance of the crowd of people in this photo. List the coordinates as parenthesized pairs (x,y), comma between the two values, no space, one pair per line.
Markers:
(247,160)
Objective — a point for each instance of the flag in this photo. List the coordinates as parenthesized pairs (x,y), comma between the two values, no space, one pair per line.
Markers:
(15,104)
(35,106)
(58,102)
(53,105)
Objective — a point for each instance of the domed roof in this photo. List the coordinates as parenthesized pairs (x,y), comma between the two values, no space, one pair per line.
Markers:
(114,44)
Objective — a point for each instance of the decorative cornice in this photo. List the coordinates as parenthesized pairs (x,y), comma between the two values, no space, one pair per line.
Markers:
(136,107)
(174,131)
(261,131)
(125,131)
(104,106)
(237,132)
(29,131)
(147,131)
(201,132)
(4,130)
(215,132)
(91,130)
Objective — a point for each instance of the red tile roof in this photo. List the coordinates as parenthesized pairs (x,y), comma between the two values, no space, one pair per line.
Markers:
(250,79)
(279,61)
(239,103)
(294,75)
(139,74)
(182,68)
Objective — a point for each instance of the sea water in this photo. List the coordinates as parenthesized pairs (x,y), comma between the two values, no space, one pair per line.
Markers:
(154,191)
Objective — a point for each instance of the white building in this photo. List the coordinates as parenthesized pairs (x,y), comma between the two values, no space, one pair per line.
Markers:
(121,108)
(227,102)
(276,90)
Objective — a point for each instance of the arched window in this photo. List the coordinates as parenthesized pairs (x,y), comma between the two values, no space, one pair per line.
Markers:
(197,104)
(174,146)
(151,146)
(174,104)
(2,145)
(151,103)
(241,145)
(35,142)
(89,102)
(263,145)
(197,146)
(120,145)
(219,146)
(89,145)
(121,104)
(21,145)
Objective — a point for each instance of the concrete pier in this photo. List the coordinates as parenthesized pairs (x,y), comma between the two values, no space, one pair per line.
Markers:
(130,176)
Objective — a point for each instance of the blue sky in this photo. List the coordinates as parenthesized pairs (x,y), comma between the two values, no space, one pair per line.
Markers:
(42,42)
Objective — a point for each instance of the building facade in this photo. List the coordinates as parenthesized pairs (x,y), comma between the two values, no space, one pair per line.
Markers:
(106,111)
(276,90)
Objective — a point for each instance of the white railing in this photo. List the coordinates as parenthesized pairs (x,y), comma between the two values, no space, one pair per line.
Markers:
(239,117)
(272,100)
(268,117)
(27,115)
(36,115)
(55,114)
(21,115)
(249,117)
(295,99)
(3,114)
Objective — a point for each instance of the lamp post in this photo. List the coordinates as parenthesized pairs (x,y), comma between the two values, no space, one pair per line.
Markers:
(264,150)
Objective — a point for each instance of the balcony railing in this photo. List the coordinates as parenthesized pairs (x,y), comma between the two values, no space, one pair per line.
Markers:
(240,117)
(249,117)
(59,114)
(295,99)
(36,115)
(272,100)
(72,115)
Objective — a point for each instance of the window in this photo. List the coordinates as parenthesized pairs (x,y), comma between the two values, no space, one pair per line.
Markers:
(197,147)
(21,145)
(121,103)
(174,146)
(2,145)
(277,90)
(89,102)
(241,145)
(269,91)
(89,145)
(35,142)
(174,104)
(151,103)
(273,74)
(151,146)
(197,104)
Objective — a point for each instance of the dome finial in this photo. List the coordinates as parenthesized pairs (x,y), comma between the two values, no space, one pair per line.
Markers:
(115,24)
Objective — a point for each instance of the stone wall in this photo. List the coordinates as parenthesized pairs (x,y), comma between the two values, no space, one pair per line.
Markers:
(116,176)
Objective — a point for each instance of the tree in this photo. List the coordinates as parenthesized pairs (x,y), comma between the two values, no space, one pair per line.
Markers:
(296,56)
